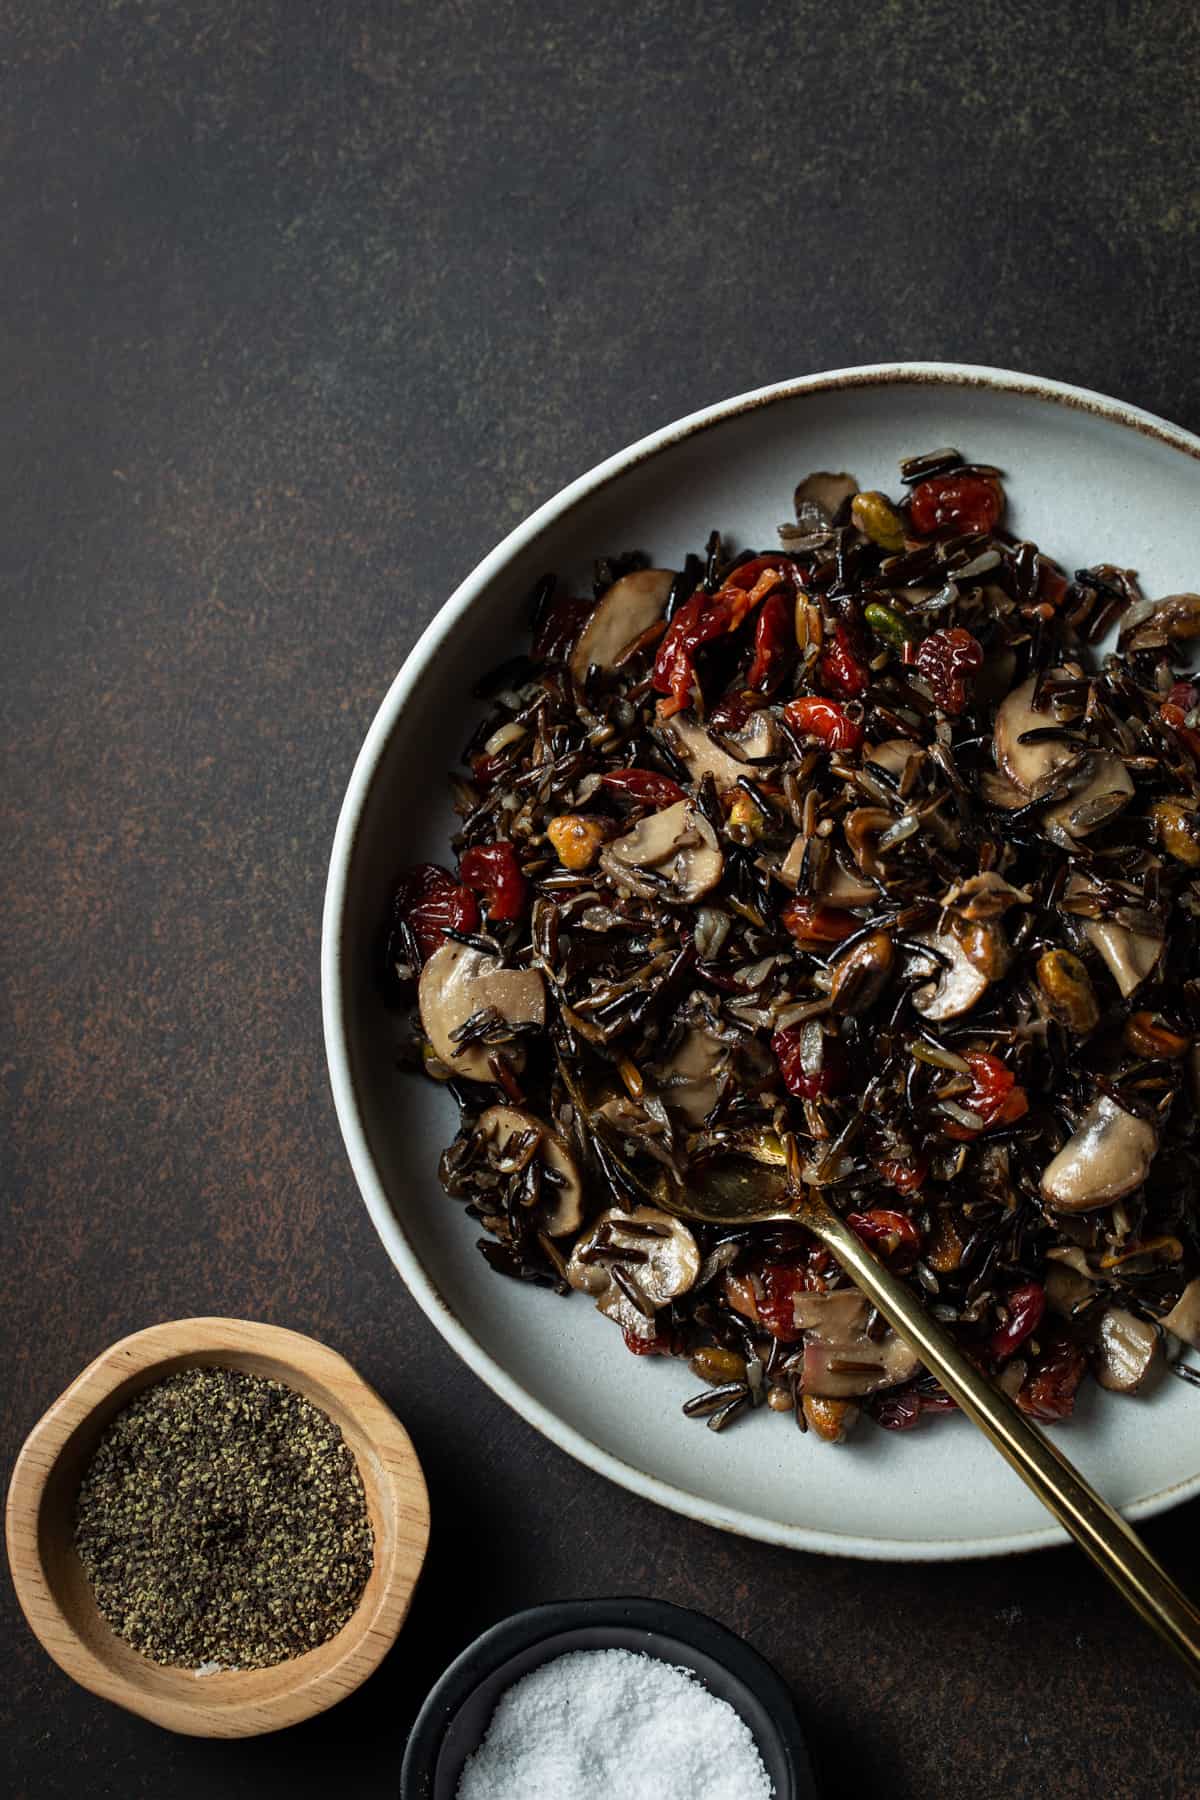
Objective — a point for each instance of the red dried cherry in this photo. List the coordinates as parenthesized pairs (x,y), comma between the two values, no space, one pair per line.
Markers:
(805,1084)
(657,1345)
(774,644)
(1048,1392)
(1174,711)
(898,1412)
(708,616)
(826,720)
(431,903)
(905,1177)
(840,669)
(994,1096)
(947,659)
(886,1230)
(780,1283)
(957,503)
(1025,1306)
(643,786)
(733,709)
(493,871)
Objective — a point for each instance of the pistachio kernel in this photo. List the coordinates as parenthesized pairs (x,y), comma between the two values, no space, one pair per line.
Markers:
(1067,990)
(877,518)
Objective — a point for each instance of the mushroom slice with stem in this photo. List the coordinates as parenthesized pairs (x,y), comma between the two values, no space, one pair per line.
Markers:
(1108,1157)
(1068,1280)
(689,1078)
(758,738)
(661,1261)
(1184,1317)
(1028,765)
(826,492)
(956,988)
(833,881)
(1125,1350)
(499,1125)
(1130,956)
(672,855)
(840,1358)
(1103,782)
(895,755)
(627,609)
(985,896)
(701,755)
(459,984)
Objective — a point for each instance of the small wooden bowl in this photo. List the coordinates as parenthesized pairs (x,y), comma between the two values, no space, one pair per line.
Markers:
(55,1594)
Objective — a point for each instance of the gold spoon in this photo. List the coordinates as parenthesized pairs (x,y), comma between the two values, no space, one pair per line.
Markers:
(753,1198)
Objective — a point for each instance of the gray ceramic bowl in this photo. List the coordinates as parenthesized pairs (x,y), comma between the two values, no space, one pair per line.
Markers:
(1090,479)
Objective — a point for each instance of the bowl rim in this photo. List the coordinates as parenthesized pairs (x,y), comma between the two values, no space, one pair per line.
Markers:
(346,1103)
(664,1624)
(216,1709)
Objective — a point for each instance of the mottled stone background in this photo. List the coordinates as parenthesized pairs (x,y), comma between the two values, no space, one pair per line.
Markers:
(303,304)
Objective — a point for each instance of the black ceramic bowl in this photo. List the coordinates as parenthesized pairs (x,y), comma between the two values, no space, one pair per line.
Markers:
(458,1711)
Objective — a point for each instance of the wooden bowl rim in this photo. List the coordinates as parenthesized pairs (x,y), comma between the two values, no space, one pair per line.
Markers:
(216,1710)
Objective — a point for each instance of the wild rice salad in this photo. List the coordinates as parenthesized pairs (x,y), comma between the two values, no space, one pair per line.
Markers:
(859,842)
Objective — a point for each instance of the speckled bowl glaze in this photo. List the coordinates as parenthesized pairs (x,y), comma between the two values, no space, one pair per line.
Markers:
(1089,478)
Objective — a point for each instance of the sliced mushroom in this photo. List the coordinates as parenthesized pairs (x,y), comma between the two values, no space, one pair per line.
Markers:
(1184,1317)
(863,828)
(834,881)
(689,1078)
(1152,624)
(894,755)
(985,896)
(1130,956)
(1103,797)
(840,1360)
(955,989)
(701,756)
(998,789)
(1028,765)
(456,984)
(1125,1350)
(628,608)
(758,738)
(670,1268)
(564,1202)
(1032,767)
(1108,1157)
(1068,1280)
(677,846)
(828,493)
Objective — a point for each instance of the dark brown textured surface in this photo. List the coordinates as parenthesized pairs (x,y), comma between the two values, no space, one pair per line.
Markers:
(304,304)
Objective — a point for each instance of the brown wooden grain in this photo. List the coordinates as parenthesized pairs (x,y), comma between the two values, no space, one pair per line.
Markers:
(54,1591)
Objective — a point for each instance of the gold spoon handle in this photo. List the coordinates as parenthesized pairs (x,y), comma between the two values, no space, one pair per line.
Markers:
(1113,1546)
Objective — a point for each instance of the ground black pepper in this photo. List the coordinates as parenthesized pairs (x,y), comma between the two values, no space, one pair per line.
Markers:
(222,1520)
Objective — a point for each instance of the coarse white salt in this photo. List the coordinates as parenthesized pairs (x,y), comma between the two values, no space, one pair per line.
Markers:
(614,1723)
